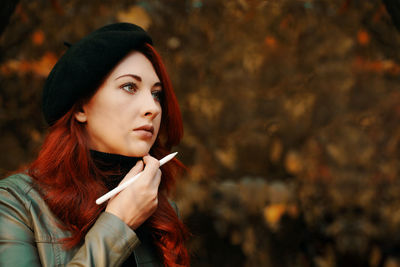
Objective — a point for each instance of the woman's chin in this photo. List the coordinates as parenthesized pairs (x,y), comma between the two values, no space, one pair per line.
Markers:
(137,152)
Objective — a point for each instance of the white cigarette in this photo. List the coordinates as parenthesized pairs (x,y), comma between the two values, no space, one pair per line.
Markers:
(122,186)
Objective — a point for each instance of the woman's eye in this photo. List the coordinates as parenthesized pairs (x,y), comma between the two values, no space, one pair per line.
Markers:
(129,87)
(157,95)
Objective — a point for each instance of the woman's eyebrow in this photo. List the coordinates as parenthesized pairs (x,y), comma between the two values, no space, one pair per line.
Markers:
(130,75)
(138,78)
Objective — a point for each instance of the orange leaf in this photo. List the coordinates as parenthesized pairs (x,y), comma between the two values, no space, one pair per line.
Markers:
(38,37)
(363,37)
(273,213)
(270,42)
(44,65)
(41,67)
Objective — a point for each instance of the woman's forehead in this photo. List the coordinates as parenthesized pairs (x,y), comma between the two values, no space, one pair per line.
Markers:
(136,64)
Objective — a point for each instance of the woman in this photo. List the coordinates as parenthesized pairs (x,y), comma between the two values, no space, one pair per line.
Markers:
(112,113)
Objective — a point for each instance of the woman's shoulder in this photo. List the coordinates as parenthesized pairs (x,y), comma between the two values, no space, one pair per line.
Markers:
(19,187)
(16,199)
(19,182)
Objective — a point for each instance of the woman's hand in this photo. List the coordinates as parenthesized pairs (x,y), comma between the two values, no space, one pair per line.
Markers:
(137,202)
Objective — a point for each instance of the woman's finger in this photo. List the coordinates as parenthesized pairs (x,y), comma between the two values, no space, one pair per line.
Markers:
(151,162)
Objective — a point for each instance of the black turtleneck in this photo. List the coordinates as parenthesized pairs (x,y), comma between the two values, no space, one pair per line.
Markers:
(115,166)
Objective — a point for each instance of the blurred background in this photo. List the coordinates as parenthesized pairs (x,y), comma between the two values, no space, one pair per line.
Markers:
(291,111)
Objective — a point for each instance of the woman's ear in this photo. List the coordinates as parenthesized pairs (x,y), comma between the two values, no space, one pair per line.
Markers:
(80,114)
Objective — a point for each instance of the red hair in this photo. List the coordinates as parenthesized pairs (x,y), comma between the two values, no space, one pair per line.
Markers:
(70,182)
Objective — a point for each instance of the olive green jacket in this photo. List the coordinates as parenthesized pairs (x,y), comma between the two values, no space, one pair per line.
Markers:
(29,234)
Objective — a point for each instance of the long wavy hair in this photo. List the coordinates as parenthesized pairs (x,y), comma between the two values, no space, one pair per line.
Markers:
(70,183)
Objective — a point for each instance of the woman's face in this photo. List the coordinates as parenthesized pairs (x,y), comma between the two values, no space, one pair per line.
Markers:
(124,115)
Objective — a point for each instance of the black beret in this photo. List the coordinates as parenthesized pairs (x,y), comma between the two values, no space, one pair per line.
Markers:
(85,64)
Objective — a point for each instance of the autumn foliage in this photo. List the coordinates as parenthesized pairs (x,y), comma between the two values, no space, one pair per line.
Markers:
(291,113)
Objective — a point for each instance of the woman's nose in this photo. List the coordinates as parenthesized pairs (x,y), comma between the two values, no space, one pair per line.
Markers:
(151,107)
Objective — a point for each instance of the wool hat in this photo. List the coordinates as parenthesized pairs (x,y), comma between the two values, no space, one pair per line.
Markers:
(85,64)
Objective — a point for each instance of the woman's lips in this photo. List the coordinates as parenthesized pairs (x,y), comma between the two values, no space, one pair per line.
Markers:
(145,131)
